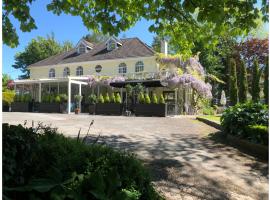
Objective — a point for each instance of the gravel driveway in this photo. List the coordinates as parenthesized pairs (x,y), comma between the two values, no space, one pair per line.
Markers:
(184,164)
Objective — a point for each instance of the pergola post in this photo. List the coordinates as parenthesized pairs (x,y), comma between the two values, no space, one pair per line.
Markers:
(80,93)
(121,91)
(58,88)
(175,101)
(39,92)
(69,96)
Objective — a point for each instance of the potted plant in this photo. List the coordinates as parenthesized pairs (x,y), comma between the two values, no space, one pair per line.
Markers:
(78,99)
(92,99)
(146,107)
(50,104)
(21,103)
(109,105)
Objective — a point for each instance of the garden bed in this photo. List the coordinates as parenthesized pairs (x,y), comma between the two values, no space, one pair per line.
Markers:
(108,109)
(49,107)
(149,110)
(21,107)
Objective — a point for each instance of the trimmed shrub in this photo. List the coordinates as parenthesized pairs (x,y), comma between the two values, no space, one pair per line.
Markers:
(208,111)
(100,99)
(8,97)
(118,98)
(57,99)
(154,99)
(63,97)
(47,165)
(161,99)
(235,119)
(147,99)
(112,99)
(92,99)
(141,98)
(107,98)
(257,134)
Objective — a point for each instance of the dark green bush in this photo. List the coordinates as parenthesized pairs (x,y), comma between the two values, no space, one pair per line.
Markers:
(257,134)
(235,119)
(47,165)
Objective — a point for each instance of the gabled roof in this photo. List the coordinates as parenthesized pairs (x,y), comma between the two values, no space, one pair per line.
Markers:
(131,47)
(86,43)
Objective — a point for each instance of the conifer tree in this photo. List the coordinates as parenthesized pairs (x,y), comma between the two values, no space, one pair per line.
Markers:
(243,85)
(255,89)
(233,83)
(266,81)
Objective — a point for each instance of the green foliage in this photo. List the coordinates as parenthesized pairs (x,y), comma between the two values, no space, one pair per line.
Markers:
(100,99)
(255,89)
(161,99)
(141,98)
(112,98)
(96,37)
(57,99)
(27,98)
(243,85)
(63,98)
(257,134)
(233,83)
(118,98)
(129,90)
(5,79)
(107,98)
(48,165)
(208,111)
(147,98)
(235,119)
(266,81)
(154,99)
(92,99)
(8,97)
(38,49)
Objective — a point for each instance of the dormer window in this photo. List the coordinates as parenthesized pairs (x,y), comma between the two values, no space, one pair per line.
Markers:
(113,43)
(83,46)
(81,49)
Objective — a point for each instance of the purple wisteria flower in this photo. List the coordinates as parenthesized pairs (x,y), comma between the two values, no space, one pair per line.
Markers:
(118,79)
(91,80)
(194,65)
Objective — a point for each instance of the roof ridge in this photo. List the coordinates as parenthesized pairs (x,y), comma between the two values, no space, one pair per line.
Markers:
(50,57)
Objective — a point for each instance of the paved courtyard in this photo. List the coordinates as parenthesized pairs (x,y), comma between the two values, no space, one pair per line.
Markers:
(183,162)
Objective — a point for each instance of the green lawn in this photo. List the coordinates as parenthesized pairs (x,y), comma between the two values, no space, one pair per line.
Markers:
(213,118)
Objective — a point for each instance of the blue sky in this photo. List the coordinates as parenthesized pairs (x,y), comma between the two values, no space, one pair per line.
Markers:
(65,27)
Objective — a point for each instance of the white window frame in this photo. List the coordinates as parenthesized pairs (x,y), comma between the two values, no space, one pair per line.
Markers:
(139,66)
(66,72)
(52,73)
(79,71)
(122,68)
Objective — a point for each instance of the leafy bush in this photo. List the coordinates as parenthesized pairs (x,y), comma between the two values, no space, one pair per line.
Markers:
(8,97)
(147,99)
(154,98)
(257,134)
(45,165)
(141,98)
(118,98)
(100,99)
(92,99)
(63,97)
(161,99)
(235,119)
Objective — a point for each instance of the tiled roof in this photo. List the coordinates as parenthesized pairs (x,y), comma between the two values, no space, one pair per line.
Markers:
(131,47)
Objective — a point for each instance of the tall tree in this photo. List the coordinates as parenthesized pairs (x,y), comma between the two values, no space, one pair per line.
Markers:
(171,16)
(243,84)
(156,44)
(266,81)
(38,49)
(255,89)
(233,83)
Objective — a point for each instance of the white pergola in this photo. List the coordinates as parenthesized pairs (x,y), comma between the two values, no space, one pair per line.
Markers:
(69,80)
